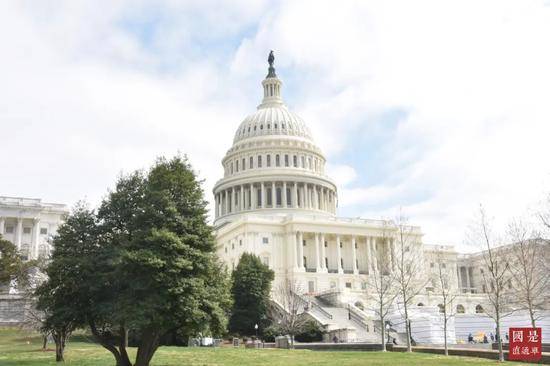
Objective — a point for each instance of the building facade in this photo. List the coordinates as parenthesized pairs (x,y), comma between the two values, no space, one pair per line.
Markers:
(30,225)
(276,201)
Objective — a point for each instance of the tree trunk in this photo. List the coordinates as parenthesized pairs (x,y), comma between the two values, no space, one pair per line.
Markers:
(147,347)
(121,359)
(44,342)
(532,316)
(407,327)
(59,351)
(445,333)
(292,341)
(499,338)
(383,333)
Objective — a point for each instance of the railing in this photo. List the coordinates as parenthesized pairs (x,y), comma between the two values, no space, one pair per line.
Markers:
(308,304)
(357,317)
(311,269)
(332,271)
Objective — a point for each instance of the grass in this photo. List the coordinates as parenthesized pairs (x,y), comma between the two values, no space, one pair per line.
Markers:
(23,348)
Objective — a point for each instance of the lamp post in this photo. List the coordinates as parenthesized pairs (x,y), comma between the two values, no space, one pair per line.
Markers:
(388,331)
(256,329)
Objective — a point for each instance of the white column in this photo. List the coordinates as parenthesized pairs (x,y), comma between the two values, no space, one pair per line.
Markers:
(375,254)
(226,209)
(369,256)
(339,255)
(2,225)
(317,253)
(242,198)
(273,195)
(216,206)
(283,196)
(323,253)
(468,279)
(315,198)
(393,259)
(300,245)
(354,254)
(33,252)
(293,251)
(253,196)
(262,204)
(294,202)
(19,233)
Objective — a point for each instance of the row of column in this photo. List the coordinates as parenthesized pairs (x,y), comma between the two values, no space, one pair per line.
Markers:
(18,234)
(377,256)
(279,195)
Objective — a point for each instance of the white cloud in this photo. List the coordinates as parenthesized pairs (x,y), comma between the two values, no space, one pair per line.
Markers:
(84,97)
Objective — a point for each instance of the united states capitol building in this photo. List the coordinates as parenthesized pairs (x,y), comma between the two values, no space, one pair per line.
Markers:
(275,200)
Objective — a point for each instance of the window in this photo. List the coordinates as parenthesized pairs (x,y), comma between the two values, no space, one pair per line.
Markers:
(226,249)
(305,261)
(295,161)
(244,165)
(355,245)
(326,244)
(232,245)
(420,304)
(286,160)
(341,245)
(251,165)
(443,265)
(309,162)
(348,284)
(43,230)
(432,265)
(441,308)
(268,161)
(341,262)
(259,161)
(9,229)
(288,197)
(26,230)
(237,166)
(326,262)
(265,240)
(277,160)
(240,243)
(460,309)
(231,168)
(279,196)
(479,309)
(303,243)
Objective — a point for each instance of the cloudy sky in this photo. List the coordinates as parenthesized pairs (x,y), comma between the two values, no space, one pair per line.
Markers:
(432,106)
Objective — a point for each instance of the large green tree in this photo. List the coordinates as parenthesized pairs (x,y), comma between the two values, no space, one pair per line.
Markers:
(251,287)
(63,297)
(157,271)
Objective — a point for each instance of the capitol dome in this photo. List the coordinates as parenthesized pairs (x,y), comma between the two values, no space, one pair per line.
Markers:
(273,166)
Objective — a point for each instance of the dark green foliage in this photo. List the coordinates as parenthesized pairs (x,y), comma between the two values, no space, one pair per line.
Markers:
(13,270)
(251,288)
(312,333)
(63,298)
(151,269)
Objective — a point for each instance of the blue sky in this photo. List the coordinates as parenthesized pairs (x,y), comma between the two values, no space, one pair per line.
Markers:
(433,107)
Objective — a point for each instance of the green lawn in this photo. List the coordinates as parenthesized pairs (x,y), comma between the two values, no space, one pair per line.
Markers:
(23,348)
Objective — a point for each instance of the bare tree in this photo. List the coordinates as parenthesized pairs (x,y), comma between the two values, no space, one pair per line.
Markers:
(289,311)
(382,293)
(407,267)
(530,278)
(444,288)
(496,272)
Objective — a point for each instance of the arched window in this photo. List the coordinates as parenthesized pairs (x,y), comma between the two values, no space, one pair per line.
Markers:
(244,165)
(277,160)
(479,309)
(279,197)
(460,309)
(420,304)
(237,166)
(305,261)
(231,169)
(251,165)
(295,161)
(359,305)
(268,161)
(441,308)
(259,161)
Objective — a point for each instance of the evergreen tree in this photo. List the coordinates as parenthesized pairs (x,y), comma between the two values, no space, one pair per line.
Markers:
(250,289)
(64,297)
